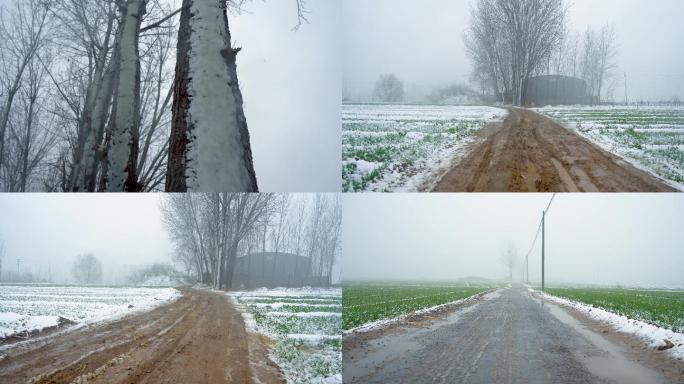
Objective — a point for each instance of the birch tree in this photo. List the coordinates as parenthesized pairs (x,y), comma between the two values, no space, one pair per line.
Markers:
(123,154)
(115,98)
(209,146)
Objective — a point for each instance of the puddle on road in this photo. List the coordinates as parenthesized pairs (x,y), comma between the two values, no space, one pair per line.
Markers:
(614,365)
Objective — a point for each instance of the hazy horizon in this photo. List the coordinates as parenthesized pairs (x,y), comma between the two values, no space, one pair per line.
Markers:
(46,232)
(422,43)
(444,237)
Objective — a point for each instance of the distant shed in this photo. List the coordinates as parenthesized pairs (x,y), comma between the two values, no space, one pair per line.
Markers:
(556,90)
(275,269)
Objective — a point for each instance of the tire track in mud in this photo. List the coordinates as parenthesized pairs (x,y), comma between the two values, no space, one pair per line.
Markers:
(198,338)
(528,152)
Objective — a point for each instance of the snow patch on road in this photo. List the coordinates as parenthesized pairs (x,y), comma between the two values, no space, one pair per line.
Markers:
(654,336)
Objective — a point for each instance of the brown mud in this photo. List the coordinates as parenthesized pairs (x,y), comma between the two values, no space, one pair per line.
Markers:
(529,152)
(199,338)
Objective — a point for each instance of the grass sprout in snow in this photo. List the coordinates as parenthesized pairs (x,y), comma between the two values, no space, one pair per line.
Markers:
(649,137)
(306,326)
(405,147)
(368,302)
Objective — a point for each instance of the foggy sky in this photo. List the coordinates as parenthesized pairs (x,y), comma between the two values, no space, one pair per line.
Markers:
(48,231)
(292,91)
(591,238)
(422,42)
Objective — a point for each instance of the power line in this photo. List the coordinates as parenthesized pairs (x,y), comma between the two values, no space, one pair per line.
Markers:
(536,236)
(550,201)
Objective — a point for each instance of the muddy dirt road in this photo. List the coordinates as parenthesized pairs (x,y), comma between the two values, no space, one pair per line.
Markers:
(199,338)
(529,152)
(508,337)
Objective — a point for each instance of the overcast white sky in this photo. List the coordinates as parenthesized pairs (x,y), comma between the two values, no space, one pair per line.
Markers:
(292,90)
(591,238)
(422,42)
(50,230)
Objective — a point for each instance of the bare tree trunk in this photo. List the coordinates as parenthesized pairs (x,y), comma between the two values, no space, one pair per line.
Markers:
(230,265)
(27,141)
(94,147)
(123,154)
(4,118)
(209,146)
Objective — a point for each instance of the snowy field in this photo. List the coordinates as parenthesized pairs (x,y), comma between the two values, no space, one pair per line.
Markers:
(651,138)
(405,147)
(306,324)
(26,308)
(636,319)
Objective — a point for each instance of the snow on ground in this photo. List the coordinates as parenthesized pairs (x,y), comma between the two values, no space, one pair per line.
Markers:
(35,307)
(405,147)
(654,336)
(306,324)
(385,322)
(649,137)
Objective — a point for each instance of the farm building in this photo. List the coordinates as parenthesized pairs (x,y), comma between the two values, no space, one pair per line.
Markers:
(275,269)
(556,90)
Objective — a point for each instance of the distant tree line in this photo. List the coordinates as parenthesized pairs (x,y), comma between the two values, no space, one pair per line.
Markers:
(510,41)
(210,230)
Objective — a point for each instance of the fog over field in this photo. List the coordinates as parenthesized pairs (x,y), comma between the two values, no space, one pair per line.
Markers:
(608,239)
(47,232)
(422,43)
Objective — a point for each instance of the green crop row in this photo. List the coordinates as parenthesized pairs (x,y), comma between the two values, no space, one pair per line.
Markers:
(367,302)
(663,308)
(623,117)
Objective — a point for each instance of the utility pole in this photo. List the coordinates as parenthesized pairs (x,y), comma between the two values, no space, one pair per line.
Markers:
(527,268)
(543,217)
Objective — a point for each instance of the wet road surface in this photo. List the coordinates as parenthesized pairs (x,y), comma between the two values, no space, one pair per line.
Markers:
(510,337)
